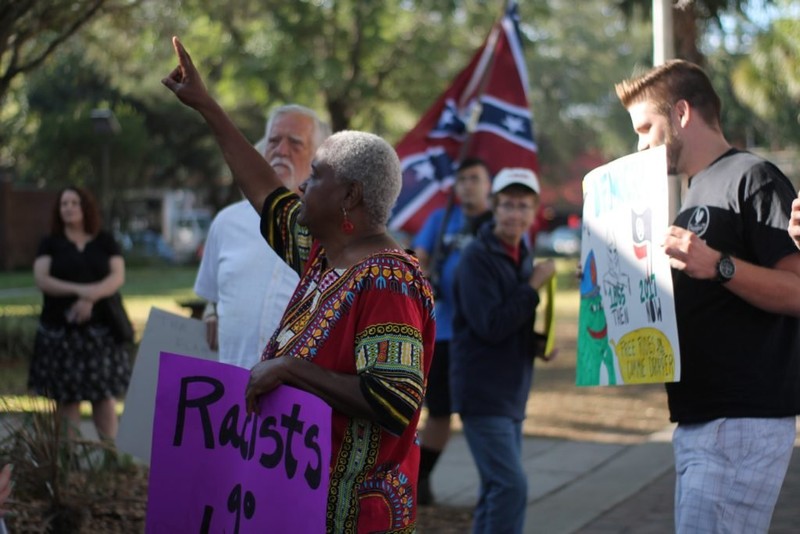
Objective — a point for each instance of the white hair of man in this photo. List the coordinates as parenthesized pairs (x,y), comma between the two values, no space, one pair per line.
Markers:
(321,128)
(366,158)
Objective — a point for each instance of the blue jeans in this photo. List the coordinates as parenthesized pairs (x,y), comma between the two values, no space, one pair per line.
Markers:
(496,446)
(729,473)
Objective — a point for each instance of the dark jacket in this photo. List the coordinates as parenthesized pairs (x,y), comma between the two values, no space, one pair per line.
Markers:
(491,356)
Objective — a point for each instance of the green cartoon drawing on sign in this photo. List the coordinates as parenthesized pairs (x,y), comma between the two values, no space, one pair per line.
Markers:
(594,351)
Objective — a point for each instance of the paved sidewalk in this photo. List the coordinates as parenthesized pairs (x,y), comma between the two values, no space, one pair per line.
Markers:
(17,292)
(588,487)
(584,487)
(649,511)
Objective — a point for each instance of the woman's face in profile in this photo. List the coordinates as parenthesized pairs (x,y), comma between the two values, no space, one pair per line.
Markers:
(70,208)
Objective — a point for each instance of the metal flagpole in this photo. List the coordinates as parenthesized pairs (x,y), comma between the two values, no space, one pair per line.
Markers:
(487,62)
(663,51)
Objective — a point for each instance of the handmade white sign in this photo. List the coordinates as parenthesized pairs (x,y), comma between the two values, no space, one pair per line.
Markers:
(627,331)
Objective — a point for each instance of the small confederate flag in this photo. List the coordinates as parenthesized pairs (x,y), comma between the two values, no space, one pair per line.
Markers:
(492,94)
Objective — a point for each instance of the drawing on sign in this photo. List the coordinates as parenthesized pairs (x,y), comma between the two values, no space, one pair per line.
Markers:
(616,285)
(627,328)
(595,359)
(642,228)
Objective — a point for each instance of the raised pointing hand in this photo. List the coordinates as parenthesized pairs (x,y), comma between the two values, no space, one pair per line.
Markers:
(184,80)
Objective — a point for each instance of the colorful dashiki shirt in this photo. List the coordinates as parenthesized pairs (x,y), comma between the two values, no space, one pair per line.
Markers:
(375,320)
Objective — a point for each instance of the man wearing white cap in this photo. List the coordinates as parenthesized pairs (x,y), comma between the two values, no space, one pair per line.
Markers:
(493,347)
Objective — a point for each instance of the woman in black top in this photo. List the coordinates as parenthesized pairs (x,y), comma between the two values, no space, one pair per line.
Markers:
(75,356)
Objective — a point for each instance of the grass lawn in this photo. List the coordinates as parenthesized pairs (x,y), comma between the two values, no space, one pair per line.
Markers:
(165,281)
(16,279)
(145,287)
(162,286)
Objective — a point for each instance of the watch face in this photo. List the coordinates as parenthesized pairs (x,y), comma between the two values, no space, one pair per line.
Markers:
(726,268)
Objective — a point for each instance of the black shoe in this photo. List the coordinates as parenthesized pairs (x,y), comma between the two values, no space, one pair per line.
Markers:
(424,494)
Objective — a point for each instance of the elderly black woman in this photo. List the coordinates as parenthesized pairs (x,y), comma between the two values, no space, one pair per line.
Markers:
(359,329)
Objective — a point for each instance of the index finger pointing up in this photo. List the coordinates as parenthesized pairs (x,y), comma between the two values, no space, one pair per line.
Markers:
(183,56)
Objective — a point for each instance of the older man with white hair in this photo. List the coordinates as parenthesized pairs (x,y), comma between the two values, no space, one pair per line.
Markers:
(246,284)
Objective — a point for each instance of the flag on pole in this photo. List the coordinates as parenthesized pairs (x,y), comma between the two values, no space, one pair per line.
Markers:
(484,114)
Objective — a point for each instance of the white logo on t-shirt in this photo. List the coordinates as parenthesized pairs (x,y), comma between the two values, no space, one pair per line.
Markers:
(698,222)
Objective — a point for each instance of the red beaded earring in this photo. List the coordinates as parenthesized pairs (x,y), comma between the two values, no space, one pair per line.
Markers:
(347,224)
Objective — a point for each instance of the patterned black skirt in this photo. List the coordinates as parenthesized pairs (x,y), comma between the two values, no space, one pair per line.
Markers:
(78,362)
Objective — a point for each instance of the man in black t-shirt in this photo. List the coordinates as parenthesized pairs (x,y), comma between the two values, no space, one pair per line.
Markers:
(736,276)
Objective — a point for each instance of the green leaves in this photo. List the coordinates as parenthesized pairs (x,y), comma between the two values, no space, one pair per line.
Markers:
(361,64)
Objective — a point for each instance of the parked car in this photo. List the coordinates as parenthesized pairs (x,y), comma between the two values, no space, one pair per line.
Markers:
(562,241)
(189,235)
(149,244)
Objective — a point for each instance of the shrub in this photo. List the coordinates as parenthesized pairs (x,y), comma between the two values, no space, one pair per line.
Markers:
(66,484)
(17,333)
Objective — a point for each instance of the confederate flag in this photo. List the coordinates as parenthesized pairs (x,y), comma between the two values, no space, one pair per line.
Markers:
(483,114)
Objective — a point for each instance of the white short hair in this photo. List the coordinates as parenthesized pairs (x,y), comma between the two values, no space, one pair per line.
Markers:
(366,158)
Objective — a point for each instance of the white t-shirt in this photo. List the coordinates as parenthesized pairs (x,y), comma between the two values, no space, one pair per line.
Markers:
(249,282)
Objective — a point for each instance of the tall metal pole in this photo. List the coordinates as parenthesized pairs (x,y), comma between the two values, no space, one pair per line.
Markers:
(106,177)
(106,125)
(663,35)
(438,247)
(663,51)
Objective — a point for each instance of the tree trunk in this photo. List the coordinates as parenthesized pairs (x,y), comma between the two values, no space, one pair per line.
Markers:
(340,113)
(684,24)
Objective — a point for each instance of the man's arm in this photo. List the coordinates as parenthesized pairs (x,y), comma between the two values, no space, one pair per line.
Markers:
(252,173)
(211,320)
(775,290)
(425,240)
(206,284)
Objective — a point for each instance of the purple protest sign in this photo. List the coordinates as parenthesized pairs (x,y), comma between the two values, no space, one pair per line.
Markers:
(214,469)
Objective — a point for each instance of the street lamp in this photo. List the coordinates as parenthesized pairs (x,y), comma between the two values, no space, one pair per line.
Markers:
(105,124)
